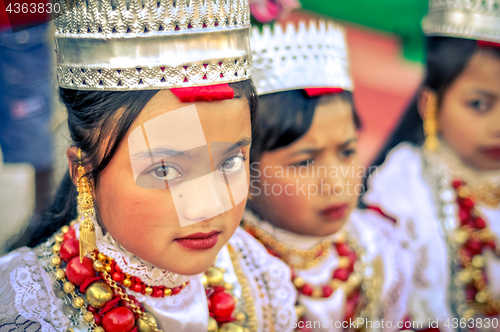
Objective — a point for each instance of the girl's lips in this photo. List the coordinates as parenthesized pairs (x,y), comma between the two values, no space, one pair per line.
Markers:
(335,211)
(493,152)
(199,241)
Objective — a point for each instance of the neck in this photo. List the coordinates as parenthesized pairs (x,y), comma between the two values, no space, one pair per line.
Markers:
(135,266)
(291,239)
(458,169)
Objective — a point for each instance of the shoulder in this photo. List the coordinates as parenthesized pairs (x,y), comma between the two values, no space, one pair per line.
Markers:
(402,167)
(374,231)
(398,186)
(27,297)
(255,254)
(271,275)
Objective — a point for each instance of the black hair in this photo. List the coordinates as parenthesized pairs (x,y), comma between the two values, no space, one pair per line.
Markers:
(447,57)
(286,116)
(98,121)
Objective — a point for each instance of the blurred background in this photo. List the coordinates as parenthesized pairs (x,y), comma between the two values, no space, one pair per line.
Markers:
(386,51)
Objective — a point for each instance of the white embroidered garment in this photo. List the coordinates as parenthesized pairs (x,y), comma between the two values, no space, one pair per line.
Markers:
(401,189)
(29,300)
(381,244)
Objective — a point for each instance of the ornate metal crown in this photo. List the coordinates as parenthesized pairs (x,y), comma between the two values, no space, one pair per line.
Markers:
(152,44)
(471,19)
(298,59)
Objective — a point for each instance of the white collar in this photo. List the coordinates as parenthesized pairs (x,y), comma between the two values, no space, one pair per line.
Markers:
(456,168)
(303,242)
(133,265)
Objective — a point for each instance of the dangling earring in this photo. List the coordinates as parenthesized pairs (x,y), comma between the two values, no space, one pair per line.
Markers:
(430,123)
(86,209)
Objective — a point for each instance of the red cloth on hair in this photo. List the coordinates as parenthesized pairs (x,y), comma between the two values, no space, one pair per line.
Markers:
(4,19)
(204,93)
(316,92)
(483,44)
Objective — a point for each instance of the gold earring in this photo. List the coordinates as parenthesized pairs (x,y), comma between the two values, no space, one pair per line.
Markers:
(86,208)
(430,123)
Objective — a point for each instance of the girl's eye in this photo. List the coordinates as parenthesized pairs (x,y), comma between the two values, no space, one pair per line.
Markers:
(348,153)
(305,162)
(165,173)
(479,105)
(233,164)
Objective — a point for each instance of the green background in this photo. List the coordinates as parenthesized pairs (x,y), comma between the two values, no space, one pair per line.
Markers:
(400,17)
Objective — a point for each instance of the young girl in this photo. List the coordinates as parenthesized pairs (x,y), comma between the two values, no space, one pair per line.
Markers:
(143,232)
(348,266)
(441,180)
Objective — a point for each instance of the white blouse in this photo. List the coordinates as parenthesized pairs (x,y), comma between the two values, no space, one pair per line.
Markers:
(405,188)
(30,302)
(387,261)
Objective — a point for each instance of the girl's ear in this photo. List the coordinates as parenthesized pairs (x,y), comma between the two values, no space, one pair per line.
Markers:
(72,154)
(423,96)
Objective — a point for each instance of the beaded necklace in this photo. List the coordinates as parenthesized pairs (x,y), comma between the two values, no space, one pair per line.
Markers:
(110,309)
(344,276)
(308,258)
(472,239)
(467,237)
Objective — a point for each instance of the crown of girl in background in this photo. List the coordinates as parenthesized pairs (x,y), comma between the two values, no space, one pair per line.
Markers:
(471,19)
(115,45)
(298,59)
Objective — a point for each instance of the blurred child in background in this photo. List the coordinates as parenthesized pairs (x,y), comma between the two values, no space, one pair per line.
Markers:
(346,264)
(441,177)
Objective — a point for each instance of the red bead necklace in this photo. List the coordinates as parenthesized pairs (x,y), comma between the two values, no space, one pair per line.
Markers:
(474,238)
(110,309)
(342,277)
(70,249)
(339,276)
(134,283)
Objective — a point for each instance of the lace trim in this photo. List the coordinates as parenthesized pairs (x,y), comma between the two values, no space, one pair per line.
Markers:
(19,323)
(34,297)
(130,264)
(272,275)
(177,300)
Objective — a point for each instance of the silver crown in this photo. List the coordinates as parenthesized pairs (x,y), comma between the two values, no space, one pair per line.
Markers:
(298,59)
(152,44)
(470,19)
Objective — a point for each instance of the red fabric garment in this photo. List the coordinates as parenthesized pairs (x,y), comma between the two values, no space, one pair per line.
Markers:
(29,14)
(4,19)
(204,93)
(87,283)
(379,211)
(316,92)
(485,44)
